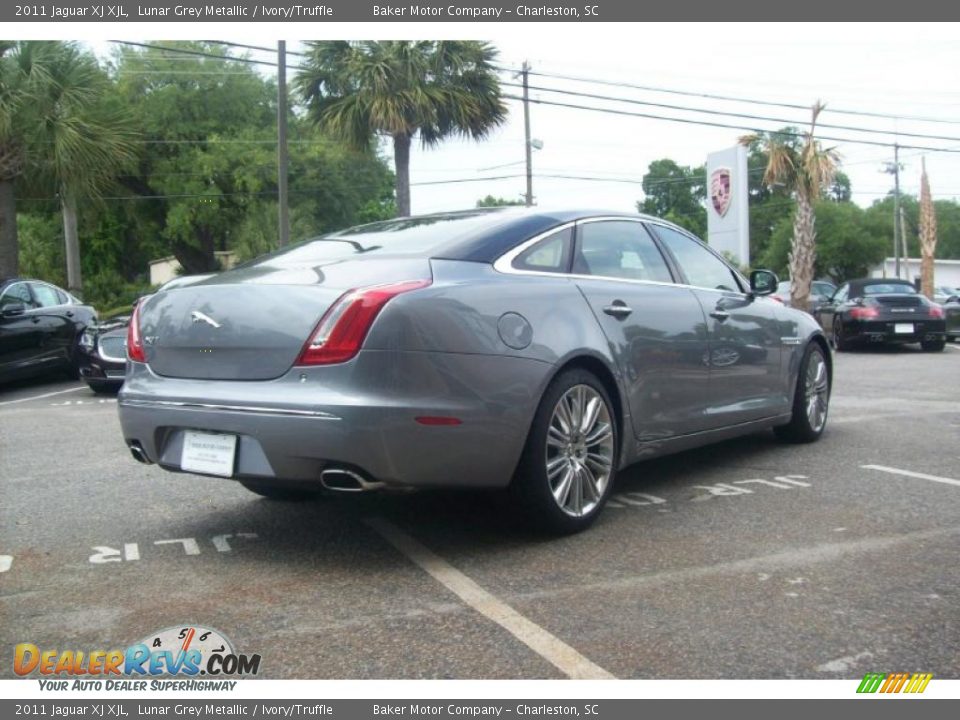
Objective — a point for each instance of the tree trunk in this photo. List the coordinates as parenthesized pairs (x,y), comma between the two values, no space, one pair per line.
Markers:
(401,159)
(928,235)
(72,243)
(803,253)
(9,247)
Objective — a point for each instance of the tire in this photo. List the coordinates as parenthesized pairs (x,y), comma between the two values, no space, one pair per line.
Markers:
(564,479)
(277,491)
(102,388)
(807,421)
(933,345)
(840,343)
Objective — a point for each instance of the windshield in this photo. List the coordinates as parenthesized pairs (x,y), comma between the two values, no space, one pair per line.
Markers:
(889,289)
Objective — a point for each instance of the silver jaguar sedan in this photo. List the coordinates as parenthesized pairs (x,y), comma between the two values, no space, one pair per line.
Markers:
(538,350)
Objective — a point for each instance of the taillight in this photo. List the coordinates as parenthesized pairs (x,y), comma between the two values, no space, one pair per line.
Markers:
(343,328)
(936,312)
(134,339)
(864,313)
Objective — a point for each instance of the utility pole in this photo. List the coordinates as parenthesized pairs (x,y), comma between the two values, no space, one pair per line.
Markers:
(894,169)
(528,147)
(282,157)
(903,245)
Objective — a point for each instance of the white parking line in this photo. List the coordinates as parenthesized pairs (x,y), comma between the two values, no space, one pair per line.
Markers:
(910,473)
(5,562)
(547,646)
(45,395)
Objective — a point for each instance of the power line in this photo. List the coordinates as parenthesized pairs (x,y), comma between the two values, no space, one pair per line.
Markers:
(685,108)
(197,53)
(707,123)
(711,96)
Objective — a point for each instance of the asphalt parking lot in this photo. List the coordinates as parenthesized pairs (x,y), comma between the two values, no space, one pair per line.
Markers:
(749,559)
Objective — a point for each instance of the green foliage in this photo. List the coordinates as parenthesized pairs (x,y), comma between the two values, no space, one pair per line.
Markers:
(846,248)
(676,193)
(41,246)
(432,89)
(491,201)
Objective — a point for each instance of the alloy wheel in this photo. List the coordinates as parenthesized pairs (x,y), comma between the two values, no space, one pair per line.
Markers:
(579,451)
(816,391)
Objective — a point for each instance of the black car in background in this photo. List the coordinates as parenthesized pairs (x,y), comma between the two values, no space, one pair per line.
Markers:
(951,309)
(102,350)
(882,310)
(40,325)
(102,354)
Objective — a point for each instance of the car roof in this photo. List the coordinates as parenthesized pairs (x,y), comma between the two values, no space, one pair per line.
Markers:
(857,286)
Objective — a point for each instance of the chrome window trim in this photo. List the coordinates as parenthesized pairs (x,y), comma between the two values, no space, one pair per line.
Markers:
(315,414)
(504,263)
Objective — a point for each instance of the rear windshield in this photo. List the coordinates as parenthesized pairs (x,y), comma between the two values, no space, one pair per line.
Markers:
(889,289)
(416,236)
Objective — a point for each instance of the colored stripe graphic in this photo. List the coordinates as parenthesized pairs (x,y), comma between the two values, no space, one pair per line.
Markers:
(894,683)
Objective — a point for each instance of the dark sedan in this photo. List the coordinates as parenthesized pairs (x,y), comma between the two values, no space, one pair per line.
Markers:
(102,354)
(102,351)
(951,309)
(39,328)
(882,310)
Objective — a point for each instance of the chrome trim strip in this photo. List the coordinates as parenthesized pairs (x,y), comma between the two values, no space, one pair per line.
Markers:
(316,414)
(791,340)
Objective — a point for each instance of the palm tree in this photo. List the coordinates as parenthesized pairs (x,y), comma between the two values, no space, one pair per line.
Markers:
(928,233)
(57,127)
(19,77)
(87,138)
(805,169)
(356,90)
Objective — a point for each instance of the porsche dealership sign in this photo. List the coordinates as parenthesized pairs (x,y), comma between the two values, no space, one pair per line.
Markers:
(728,221)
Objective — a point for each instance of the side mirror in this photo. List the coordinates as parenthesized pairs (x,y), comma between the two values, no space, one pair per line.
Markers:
(952,298)
(763,282)
(14,310)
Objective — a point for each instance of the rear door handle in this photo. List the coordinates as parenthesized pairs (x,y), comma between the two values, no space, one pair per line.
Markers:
(618,309)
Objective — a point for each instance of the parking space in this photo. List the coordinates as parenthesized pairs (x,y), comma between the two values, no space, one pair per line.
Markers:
(750,559)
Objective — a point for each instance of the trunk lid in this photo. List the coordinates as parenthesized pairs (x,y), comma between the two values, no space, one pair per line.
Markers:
(252,323)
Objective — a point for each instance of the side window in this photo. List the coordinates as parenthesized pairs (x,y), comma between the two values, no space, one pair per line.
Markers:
(619,249)
(552,254)
(841,295)
(702,267)
(18,293)
(46,296)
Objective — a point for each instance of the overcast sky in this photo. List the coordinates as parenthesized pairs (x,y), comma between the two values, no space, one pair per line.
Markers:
(902,69)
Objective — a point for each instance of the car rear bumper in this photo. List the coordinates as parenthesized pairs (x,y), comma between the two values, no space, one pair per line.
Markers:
(895,331)
(361,416)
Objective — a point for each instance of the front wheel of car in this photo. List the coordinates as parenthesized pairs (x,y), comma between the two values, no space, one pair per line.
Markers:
(811,399)
(570,459)
(279,491)
(933,345)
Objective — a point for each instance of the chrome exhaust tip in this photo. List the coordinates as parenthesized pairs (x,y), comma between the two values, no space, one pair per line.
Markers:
(136,449)
(343,480)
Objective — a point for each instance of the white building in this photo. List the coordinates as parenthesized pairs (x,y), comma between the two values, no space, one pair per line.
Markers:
(168,268)
(945,272)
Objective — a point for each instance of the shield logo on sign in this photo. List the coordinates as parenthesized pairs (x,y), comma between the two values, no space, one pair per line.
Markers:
(720,190)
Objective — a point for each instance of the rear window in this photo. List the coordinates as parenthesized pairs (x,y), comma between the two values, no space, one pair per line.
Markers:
(412,236)
(889,289)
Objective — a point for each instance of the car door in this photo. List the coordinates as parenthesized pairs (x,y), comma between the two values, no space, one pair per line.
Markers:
(57,321)
(825,313)
(744,358)
(21,339)
(656,328)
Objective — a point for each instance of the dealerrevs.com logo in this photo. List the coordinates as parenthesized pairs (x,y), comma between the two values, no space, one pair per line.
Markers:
(187,651)
(909,683)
